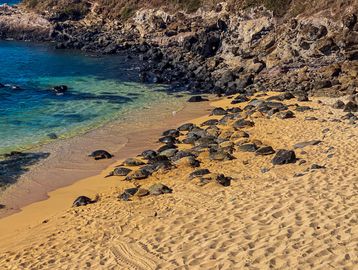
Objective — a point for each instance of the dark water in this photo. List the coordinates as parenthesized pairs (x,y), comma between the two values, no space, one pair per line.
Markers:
(100,89)
(9,2)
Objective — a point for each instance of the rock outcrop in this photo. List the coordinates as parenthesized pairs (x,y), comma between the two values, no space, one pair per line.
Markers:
(215,50)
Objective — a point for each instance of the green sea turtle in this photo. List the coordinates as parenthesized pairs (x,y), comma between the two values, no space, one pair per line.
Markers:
(120,171)
(100,154)
(133,162)
(82,201)
(158,189)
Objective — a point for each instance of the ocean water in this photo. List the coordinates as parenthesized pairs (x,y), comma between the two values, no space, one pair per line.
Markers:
(101,89)
(9,2)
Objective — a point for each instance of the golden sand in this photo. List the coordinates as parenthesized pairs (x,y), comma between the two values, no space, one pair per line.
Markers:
(270,220)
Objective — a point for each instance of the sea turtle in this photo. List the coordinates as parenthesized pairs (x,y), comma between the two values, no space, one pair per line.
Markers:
(168,140)
(148,154)
(138,175)
(158,189)
(171,132)
(198,173)
(82,201)
(129,192)
(133,162)
(120,171)
(100,154)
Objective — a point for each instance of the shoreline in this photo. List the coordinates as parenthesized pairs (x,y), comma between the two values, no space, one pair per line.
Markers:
(68,162)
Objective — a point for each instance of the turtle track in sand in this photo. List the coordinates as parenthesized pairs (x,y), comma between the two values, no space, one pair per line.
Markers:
(133,256)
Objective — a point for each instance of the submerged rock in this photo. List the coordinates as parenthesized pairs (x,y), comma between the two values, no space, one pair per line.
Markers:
(60,89)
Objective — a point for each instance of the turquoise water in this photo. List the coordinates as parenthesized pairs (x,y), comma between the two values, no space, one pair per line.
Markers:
(100,89)
(10,2)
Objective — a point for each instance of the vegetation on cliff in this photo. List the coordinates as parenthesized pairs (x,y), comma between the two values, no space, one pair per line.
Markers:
(68,9)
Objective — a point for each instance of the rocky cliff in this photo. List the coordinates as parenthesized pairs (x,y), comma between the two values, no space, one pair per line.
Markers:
(305,47)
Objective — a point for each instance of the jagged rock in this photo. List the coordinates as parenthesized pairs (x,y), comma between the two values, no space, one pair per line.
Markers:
(350,107)
(350,21)
(339,104)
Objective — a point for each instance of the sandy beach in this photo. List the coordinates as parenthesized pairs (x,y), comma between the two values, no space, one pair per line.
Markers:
(68,160)
(300,215)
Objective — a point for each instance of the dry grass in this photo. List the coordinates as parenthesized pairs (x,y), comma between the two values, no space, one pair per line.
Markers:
(123,9)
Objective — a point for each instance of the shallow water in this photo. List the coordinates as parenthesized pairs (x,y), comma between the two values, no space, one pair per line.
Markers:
(101,89)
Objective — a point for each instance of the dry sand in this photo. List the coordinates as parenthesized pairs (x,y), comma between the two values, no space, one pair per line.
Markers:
(269,220)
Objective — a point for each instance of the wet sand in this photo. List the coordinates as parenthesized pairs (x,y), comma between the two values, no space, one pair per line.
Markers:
(69,162)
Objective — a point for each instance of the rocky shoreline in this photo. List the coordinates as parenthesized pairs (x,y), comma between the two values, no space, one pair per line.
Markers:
(214,51)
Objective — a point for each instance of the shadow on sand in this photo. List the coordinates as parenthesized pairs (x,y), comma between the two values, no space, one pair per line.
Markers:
(15,164)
